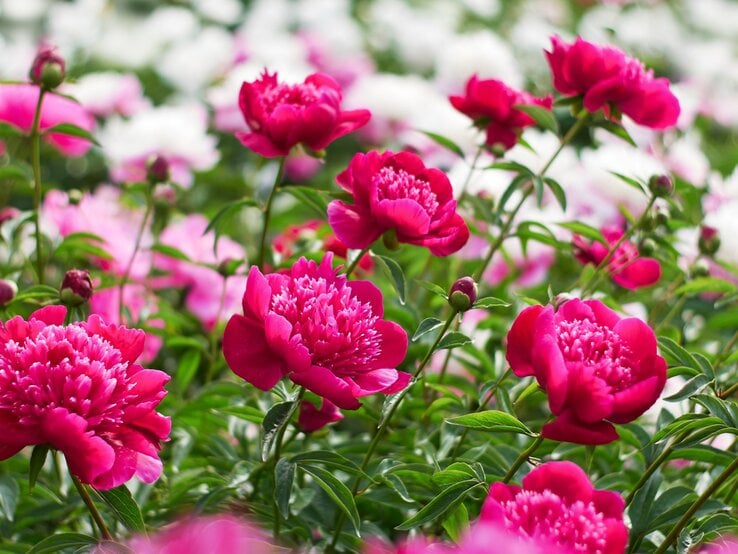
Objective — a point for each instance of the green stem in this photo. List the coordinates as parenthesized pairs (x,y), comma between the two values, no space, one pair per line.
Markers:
(36,163)
(267,213)
(704,497)
(653,466)
(472,167)
(524,455)
(136,248)
(356,261)
(104,532)
(278,454)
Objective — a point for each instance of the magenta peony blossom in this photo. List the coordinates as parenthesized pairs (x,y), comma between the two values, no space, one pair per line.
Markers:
(558,503)
(491,104)
(626,267)
(608,79)
(397,192)
(18,105)
(79,389)
(726,545)
(311,418)
(281,116)
(597,368)
(320,330)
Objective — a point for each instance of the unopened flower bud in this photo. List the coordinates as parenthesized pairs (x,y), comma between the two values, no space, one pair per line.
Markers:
(157,170)
(463,294)
(647,247)
(661,215)
(699,269)
(709,240)
(498,149)
(8,290)
(76,288)
(48,69)
(660,185)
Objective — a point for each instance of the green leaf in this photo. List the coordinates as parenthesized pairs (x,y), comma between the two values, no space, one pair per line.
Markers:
(38,458)
(187,367)
(9,492)
(617,130)
(15,173)
(706,284)
(72,131)
(36,292)
(456,523)
(456,472)
(310,197)
(687,423)
(508,192)
(490,302)
(227,212)
(678,353)
(693,386)
(426,326)
(284,475)
(10,131)
(492,420)
(544,118)
(584,230)
(512,166)
(337,491)
(124,506)
(453,340)
(629,181)
(717,407)
(276,418)
(57,543)
(445,142)
(329,458)
(394,272)
(432,287)
(171,251)
(248,413)
(557,191)
(447,500)
(538,187)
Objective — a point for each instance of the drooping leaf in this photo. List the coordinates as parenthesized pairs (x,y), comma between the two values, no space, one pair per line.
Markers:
(61,541)
(426,326)
(394,272)
(445,142)
(544,118)
(276,418)
(491,420)
(72,131)
(447,500)
(337,491)
(38,458)
(9,492)
(284,475)
(124,507)
(453,340)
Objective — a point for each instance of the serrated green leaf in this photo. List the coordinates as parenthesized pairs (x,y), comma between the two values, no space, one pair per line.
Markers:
(491,420)
(394,272)
(453,340)
(445,142)
(543,117)
(426,326)
(284,475)
(276,418)
(57,543)
(72,131)
(337,491)
(448,499)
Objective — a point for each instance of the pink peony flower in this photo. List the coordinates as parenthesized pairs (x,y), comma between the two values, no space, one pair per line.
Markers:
(18,106)
(726,545)
(320,330)
(558,503)
(79,389)
(626,267)
(397,192)
(608,79)
(491,104)
(311,418)
(597,368)
(282,116)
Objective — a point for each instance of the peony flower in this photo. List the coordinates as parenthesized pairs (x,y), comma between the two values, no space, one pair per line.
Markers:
(78,389)
(609,79)
(18,106)
(397,192)
(319,330)
(491,105)
(726,545)
(597,368)
(558,503)
(626,267)
(281,116)
(311,418)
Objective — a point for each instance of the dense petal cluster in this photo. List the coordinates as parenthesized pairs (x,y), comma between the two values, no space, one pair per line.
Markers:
(557,503)
(281,116)
(491,104)
(626,267)
(609,79)
(319,330)
(397,192)
(78,388)
(596,367)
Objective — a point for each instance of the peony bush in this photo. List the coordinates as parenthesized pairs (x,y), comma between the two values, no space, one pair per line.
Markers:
(375,277)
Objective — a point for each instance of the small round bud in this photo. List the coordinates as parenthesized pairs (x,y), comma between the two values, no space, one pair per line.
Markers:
(498,149)
(157,170)
(647,247)
(389,239)
(661,215)
(48,69)
(709,240)
(8,290)
(660,185)
(699,269)
(229,266)
(76,288)
(463,294)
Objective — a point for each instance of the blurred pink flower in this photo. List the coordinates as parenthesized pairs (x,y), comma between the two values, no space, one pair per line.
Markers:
(726,545)
(79,389)
(107,93)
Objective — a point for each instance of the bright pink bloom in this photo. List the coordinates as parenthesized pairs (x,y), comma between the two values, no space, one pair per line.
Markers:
(320,330)
(396,191)
(558,503)
(282,116)
(626,267)
(597,368)
(607,79)
(18,105)
(491,104)
(726,545)
(79,389)
(311,418)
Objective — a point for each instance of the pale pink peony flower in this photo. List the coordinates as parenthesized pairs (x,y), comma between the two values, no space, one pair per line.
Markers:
(79,389)
(108,93)
(18,106)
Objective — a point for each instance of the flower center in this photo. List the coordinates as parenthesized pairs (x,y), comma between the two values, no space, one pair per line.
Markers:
(395,184)
(545,515)
(295,95)
(336,327)
(596,347)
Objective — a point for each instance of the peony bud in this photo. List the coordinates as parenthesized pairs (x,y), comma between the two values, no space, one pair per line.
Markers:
(76,288)
(158,170)
(8,290)
(661,215)
(660,186)
(699,269)
(709,241)
(48,69)
(463,294)
(647,247)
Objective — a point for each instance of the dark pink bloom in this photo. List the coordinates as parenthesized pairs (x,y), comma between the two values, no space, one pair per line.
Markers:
(491,104)
(78,389)
(311,418)
(558,503)
(607,78)
(281,116)
(18,105)
(626,267)
(596,367)
(397,192)
(319,330)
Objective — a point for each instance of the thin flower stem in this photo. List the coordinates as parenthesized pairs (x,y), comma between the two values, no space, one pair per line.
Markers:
(267,214)
(356,261)
(472,167)
(36,163)
(704,497)
(524,455)
(729,391)
(136,248)
(656,464)
(104,532)
(278,454)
